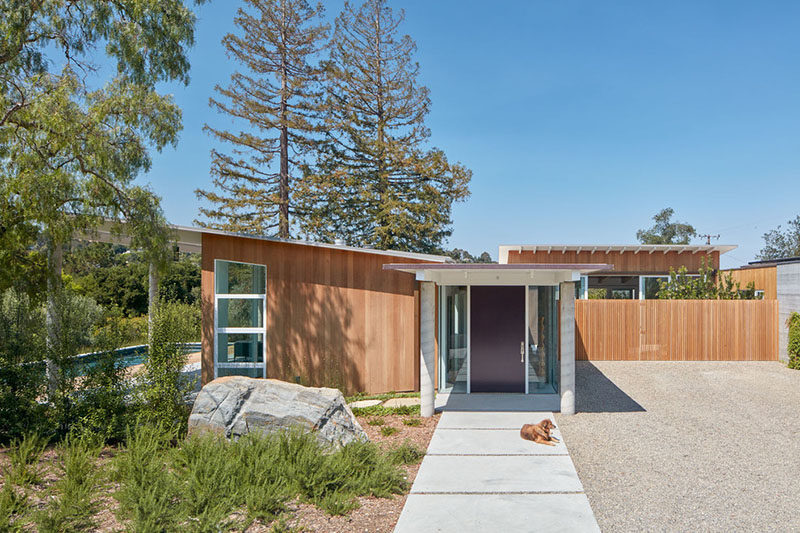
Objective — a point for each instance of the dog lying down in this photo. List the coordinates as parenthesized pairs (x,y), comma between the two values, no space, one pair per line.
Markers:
(539,433)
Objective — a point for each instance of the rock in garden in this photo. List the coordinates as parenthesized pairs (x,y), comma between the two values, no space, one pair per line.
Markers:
(236,405)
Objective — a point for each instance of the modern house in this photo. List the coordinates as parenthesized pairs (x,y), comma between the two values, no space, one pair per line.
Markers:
(371,320)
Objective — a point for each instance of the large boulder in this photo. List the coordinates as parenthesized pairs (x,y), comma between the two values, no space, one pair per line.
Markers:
(236,405)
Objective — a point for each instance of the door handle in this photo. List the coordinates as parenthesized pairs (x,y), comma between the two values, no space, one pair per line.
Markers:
(522,352)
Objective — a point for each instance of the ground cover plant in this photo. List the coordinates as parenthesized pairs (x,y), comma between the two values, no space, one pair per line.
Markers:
(157,480)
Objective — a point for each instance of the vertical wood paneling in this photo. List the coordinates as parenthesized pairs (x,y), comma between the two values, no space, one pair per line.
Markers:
(628,261)
(334,317)
(676,330)
(764,278)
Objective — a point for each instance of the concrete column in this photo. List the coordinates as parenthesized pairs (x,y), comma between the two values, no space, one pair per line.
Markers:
(152,300)
(567,336)
(427,323)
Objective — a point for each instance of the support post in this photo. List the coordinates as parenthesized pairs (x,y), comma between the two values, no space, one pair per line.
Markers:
(152,299)
(567,336)
(427,323)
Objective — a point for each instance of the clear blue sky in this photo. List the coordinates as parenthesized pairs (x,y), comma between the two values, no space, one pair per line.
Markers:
(579,119)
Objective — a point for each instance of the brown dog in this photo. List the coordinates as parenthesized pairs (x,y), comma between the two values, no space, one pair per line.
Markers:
(539,433)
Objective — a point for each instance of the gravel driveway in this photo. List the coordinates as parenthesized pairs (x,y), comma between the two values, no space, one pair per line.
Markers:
(688,446)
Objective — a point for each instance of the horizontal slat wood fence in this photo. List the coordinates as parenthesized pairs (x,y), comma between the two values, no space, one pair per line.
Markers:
(676,330)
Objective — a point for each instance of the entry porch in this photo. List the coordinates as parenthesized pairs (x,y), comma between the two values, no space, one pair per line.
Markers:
(497,328)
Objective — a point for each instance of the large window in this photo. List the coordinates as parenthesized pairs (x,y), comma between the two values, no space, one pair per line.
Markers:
(240,327)
(453,334)
(543,340)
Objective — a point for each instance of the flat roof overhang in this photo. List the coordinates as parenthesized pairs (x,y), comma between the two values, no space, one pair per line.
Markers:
(504,249)
(498,274)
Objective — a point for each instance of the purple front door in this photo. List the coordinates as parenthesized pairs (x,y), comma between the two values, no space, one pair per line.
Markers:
(497,335)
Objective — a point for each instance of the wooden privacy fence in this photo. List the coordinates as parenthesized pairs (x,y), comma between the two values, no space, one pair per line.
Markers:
(676,330)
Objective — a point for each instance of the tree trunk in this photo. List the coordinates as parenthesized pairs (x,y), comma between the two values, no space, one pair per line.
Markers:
(53,324)
(283,216)
(152,300)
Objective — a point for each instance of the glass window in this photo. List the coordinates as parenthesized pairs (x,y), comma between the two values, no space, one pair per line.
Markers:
(240,348)
(542,340)
(240,313)
(240,278)
(651,285)
(454,338)
(239,324)
(249,372)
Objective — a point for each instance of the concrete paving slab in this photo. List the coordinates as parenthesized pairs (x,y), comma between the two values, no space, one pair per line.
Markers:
(365,403)
(490,474)
(401,402)
(550,513)
(498,402)
(490,420)
(488,442)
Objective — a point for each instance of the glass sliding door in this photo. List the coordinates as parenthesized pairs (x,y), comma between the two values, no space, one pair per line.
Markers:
(240,307)
(453,339)
(542,340)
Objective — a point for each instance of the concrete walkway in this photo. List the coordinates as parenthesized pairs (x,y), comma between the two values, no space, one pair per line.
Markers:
(479,475)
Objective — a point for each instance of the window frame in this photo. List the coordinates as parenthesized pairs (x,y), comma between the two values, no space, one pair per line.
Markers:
(241,330)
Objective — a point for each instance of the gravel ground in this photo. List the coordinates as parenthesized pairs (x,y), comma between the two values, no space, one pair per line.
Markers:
(688,446)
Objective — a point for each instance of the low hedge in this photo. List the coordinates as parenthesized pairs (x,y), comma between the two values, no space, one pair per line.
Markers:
(794,341)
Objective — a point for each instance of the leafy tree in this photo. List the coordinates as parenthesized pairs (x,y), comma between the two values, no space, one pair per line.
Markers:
(463,256)
(705,286)
(116,277)
(779,244)
(375,182)
(665,231)
(71,143)
(276,95)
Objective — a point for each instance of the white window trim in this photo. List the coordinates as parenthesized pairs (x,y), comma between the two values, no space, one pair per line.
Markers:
(234,330)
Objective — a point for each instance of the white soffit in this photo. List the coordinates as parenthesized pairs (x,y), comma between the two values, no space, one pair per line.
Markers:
(495,274)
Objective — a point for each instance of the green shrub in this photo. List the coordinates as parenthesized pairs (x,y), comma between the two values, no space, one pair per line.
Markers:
(413,422)
(388,431)
(23,456)
(72,508)
(22,341)
(794,341)
(376,421)
(148,490)
(406,454)
(13,507)
(164,390)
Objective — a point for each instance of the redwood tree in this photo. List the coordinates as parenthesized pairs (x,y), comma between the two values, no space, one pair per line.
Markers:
(275,96)
(376,181)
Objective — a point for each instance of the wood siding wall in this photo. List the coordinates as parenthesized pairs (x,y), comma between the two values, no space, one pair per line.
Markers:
(676,330)
(765,279)
(624,262)
(334,317)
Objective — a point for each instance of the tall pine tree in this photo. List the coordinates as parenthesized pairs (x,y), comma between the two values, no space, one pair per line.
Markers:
(376,183)
(277,96)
